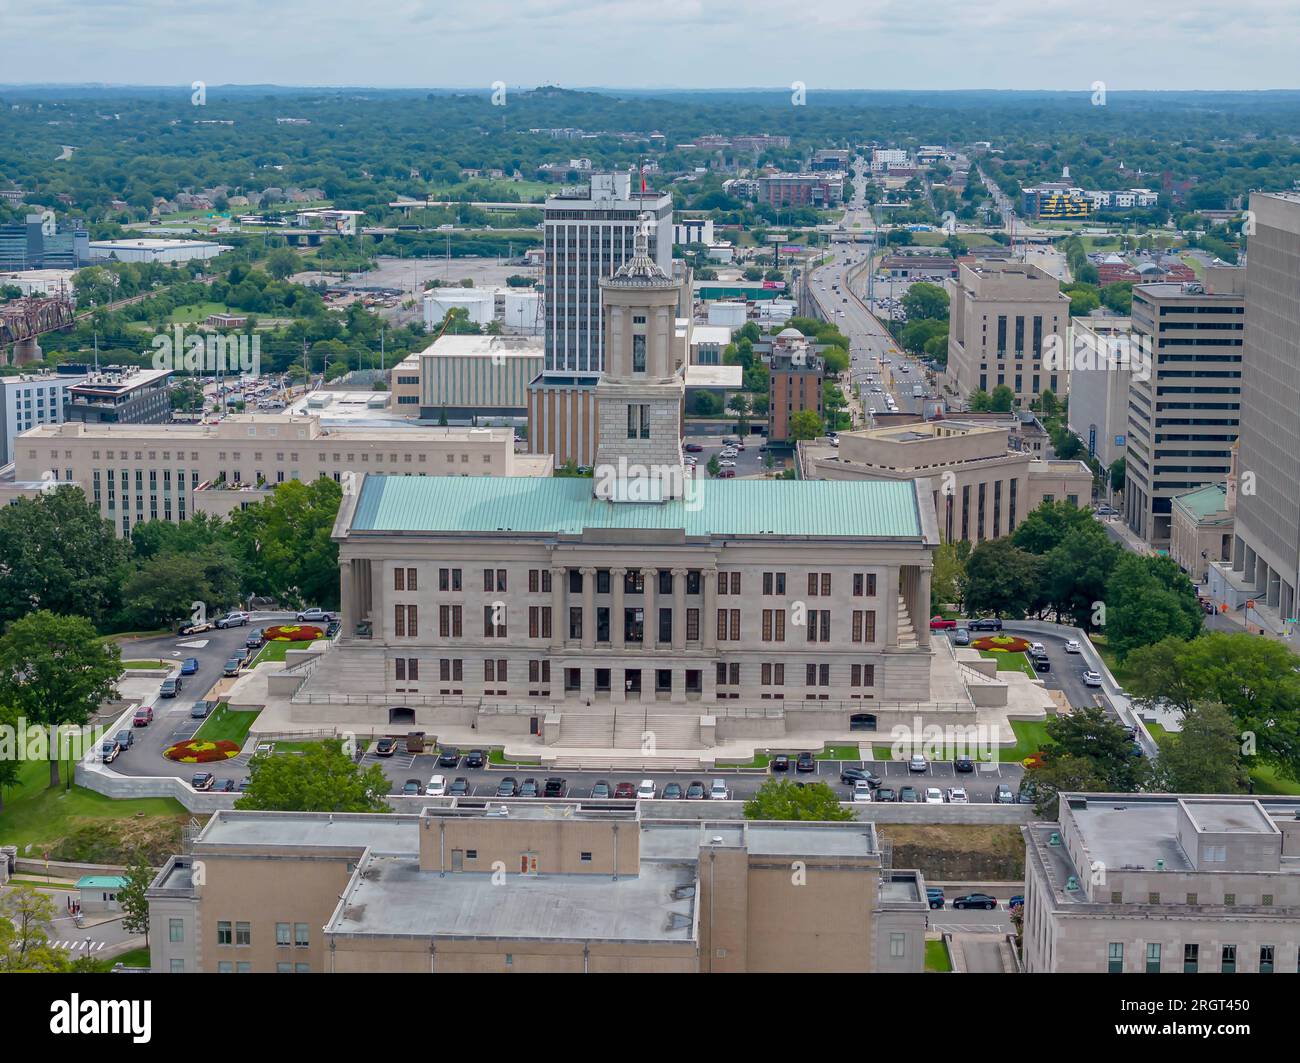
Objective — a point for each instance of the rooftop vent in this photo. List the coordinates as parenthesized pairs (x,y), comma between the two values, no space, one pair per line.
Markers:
(1055,839)
(1160,865)
(1072,885)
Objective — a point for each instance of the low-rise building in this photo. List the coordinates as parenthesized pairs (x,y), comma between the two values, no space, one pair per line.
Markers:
(1200,529)
(153,250)
(122,395)
(1164,883)
(463,378)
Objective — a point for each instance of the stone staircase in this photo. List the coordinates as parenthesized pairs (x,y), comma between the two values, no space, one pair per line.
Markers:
(624,729)
(357,670)
(906,631)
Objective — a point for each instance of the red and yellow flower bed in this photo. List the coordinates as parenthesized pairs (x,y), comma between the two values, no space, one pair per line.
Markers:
(201,751)
(1001,643)
(293,633)
(1033,760)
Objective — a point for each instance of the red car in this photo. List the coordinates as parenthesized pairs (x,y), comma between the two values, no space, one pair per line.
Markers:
(693,448)
(726,474)
(938,623)
(625,791)
(143,716)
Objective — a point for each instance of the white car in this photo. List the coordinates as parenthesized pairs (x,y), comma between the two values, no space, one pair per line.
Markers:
(957,796)
(233,620)
(1092,679)
(1037,649)
(918,763)
(718,791)
(437,786)
(1072,646)
(727,464)
(690,459)
(647,790)
(861,791)
(933,795)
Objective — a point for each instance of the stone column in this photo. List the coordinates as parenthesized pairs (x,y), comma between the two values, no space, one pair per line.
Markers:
(588,608)
(709,621)
(347,607)
(921,610)
(616,576)
(679,609)
(650,578)
(890,607)
(559,613)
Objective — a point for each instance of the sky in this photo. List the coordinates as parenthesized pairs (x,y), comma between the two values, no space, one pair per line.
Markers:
(827,44)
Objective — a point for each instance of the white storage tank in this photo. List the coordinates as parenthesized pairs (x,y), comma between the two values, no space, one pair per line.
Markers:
(731,315)
(523,311)
(479,303)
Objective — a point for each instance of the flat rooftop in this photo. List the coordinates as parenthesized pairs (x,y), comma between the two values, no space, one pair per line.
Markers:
(391,833)
(1228,817)
(391,896)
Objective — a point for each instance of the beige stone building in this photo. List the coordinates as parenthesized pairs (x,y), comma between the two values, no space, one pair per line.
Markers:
(575,887)
(140,472)
(1200,530)
(1162,883)
(1001,315)
(979,487)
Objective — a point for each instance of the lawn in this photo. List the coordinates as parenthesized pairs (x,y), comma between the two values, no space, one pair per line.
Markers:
(1122,675)
(226,724)
(936,957)
(842,752)
(35,813)
(146,665)
(198,312)
(275,651)
(498,756)
(1031,737)
(134,958)
(1009,662)
(1267,781)
(488,191)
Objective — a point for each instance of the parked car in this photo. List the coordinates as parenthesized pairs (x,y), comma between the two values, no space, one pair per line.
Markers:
(475,759)
(508,787)
(437,786)
(695,791)
(647,790)
(314,614)
(555,787)
(780,762)
(195,628)
(963,763)
(386,747)
(244,784)
(1042,664)
(933,795)
(1072,646)
(235,619)
(332,628)
(909,794)
(850,776)
(255,638)
(459,787)
(1037,649)
(975,900)
(961,637)
(718,791)
(1003,795)
(672,792)
(861,792)
(449,758)
(918,763)
(233,666)
(125,738)
(934,897)
(601,789)
(693,448)
(200,709)
(939,623)
(726,474)
(225,786)
(957,796)
(806,762)
(412,788)
(1016,900)
(108,750)
(143,716)
(987,623)
(886,793)
(625,791)
(528,788)
(189,666)
(171,686)
(1091,678)
(203,780)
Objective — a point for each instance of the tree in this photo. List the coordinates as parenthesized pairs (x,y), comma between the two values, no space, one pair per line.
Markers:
(804,424)
(705,403)
(926,301)
(1204,757)
(284,543)
(1076,572)
(1002,579)
(979,401)
(782,799)
(25,918)
(714,466)
(739,405)
(1085,751)
(55,671)
(1149,599)
(323,779)
(835,361)
(135,908)
(948,579)
(58,553)
(282,263)
(1002,399)
(1045,780)
(1047,525)
(1118,469)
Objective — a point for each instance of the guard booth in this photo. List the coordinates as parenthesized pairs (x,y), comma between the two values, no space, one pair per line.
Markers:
(99,893)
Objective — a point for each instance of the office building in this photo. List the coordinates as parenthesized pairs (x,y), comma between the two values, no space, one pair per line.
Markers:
(463,378)
(1164,884)
(1100,372)
(1184,409)
(1266,550)
(1200,529)
(796,378)
(1002,314)
(27,401)
(37,244)
(801,189)
(600,887)
(122,395)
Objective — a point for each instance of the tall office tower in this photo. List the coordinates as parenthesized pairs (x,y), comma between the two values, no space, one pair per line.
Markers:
(1184,407)
(1002,314)
(1266,546)
(590,234)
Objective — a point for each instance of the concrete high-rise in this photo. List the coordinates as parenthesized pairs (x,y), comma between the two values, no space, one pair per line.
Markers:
(1265,564)
(1184,397)
(590,234)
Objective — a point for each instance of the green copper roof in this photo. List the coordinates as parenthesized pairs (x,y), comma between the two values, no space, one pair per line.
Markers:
(873,509)
(1205,501)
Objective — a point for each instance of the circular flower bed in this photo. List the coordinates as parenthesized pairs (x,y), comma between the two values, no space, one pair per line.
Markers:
(1033,760)
(1001,643)
(201,751)
(293,633)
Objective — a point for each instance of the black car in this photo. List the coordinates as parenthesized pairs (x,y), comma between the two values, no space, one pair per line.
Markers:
(975,900)
(1042,664)
(987,623)
(200,709)
(508,787)
(672,792)
(459,787)
(963,763)
(386,747)
(885,793)
(224,786)
(528,788)
(555,787)
(475,759)
(126,738)
(332,629)
(806,762)
(908,793)
(412,788)
(849,776)
(254,639)
(934,895)
(780,762)
(171,686)
(602,789)
(449,758)
(695,791)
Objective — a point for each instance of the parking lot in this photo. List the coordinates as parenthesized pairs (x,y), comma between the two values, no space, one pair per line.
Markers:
(749,462)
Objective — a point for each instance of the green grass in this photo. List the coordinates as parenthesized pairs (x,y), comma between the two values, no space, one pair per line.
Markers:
(1031,737)
(498,756)
(1267,781)
(35,813)
(1123,676)
(1156,730)
(936,957)
(1009,662)
(146,665)
(840,752)
(532,192)
(275,651)
(761,760)
(134,958)
(226,724)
